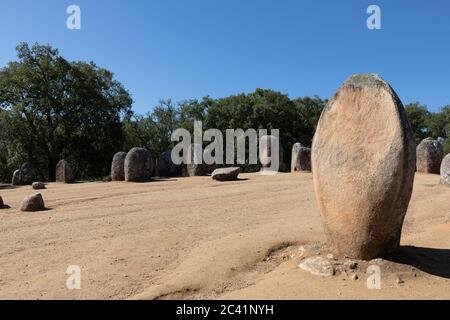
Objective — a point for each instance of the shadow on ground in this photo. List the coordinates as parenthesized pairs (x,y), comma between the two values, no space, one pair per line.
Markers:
(432,261)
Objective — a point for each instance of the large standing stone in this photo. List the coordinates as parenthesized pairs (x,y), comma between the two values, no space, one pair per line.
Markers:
(226,174)
(266,144)
(64,172)
(301,158)
(363,162)
(165,167)
(33,203)
(445,170)
(118,167)
(429,156)
(138,165)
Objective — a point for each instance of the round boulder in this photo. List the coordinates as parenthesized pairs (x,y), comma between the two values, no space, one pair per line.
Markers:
(138,165)
(429,156)
(64,172)
(363,162)
(301,158)
(118,167)
(445,170)
(33,203)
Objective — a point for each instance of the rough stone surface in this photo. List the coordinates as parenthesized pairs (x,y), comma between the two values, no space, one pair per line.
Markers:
(226,174)
(27,174)
(265,146)
(317,266)
(363,163)
(165,166)
(301,158)
(16,178)
(64,172)
(195,168)
(33,203)
(38,185)
(118,167)
(138,165)
(445,170)
(429,156)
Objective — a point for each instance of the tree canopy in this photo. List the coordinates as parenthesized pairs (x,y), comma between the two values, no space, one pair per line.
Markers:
(52,109)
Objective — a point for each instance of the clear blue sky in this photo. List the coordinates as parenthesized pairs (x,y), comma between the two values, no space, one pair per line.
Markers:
(184,49)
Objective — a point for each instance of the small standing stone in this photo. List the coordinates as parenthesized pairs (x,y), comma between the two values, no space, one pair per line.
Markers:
(165,167)
(16,178)
(118,167)
(38,185)
(138,165)
(445,171)
(317,266)
(301,158)
(33,203)
(429,156)
(64,172)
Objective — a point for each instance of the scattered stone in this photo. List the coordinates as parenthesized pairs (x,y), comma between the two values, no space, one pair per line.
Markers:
(317,266)
(301,158)
(64,172)
(226,174)
(118,166)
(445,170)
(165,167)
(355,277)
(429,156)
(38,185)
(266,143)
(138,165)
(363,162)
(330,256)
(33,203)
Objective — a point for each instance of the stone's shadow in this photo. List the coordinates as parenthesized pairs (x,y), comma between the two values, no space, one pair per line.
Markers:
(432,261)
(7,186)
(4,207)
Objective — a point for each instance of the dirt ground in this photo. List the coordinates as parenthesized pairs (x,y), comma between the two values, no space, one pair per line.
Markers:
(194,238)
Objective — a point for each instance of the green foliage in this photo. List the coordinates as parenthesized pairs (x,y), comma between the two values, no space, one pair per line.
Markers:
(61,109)
(51,108)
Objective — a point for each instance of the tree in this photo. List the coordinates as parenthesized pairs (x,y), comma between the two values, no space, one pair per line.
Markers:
(63,109)
(418,116)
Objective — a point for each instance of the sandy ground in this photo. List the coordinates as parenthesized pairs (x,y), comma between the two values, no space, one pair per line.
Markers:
(190,238)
